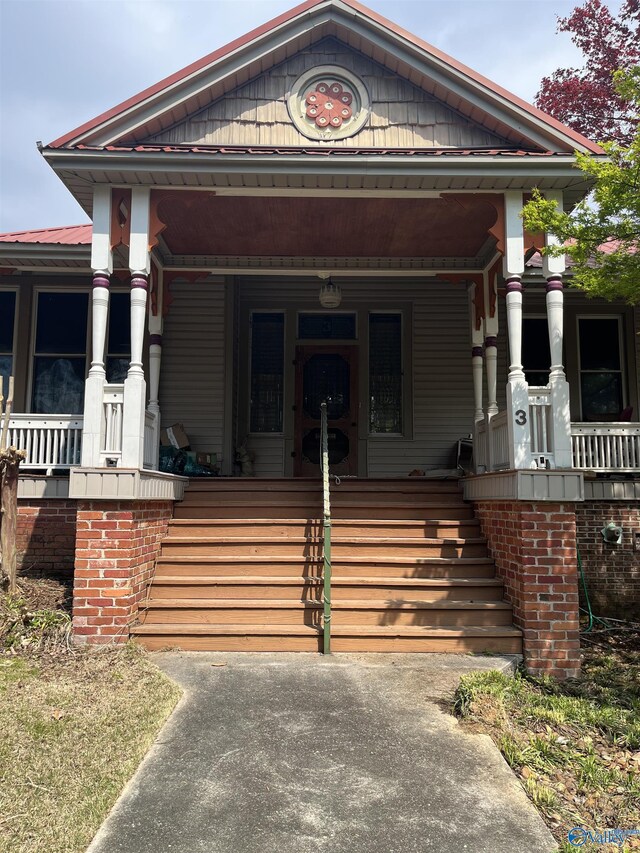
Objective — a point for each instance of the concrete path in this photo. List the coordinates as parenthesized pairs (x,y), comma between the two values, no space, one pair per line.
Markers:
(295,753)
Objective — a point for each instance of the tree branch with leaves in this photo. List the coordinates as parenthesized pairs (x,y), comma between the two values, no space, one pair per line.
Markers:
(587,99)
(601,235)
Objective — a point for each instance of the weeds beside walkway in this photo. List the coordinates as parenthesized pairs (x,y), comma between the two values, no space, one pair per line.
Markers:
(575,746)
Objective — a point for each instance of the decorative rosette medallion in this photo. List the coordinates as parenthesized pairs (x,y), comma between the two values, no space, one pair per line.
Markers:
(328,103)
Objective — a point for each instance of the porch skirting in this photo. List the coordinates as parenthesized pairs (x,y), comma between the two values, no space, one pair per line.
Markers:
(117,543)
(534,548)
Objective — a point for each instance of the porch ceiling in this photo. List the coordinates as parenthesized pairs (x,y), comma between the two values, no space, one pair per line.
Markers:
(203,224)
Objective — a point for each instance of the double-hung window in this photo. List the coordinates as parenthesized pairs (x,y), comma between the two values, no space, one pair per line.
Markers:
(602,390)
(60,352)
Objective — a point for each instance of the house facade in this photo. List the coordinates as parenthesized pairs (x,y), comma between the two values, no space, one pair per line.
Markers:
(326,210)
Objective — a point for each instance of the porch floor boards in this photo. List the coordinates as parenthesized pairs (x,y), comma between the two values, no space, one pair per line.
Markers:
(240,569)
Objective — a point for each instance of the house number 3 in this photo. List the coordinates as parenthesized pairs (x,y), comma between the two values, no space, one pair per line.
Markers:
(521,417)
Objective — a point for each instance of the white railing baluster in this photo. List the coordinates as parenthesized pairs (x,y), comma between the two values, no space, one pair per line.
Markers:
(50,441)
(606,446)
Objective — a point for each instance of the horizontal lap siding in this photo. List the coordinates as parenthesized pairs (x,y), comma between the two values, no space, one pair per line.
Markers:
(268,455)
(442,383)
(193,363)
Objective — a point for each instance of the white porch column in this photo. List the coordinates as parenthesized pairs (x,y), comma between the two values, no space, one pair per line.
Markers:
(102,266)
(491,361)
(491,349)
(134,384)
(476,322)
(156,326)
(517,386)
(560,396)
(477,352)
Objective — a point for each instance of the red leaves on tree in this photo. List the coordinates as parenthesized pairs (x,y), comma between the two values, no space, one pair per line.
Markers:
(585,98)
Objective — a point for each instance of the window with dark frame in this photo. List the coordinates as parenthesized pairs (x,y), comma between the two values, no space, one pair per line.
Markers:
(60,353)
(601,375)
(7,336)
(267,372)
(385,374)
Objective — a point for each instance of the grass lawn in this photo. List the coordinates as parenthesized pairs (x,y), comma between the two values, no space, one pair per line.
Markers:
(575,746)
(74,724)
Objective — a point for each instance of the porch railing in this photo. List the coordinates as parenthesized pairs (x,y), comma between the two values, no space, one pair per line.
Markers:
(326,523)
(606,446)
(491,447)
(50,441)
(113,405)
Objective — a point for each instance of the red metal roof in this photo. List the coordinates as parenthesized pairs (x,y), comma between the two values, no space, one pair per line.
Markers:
(285,18)
(325,151)
(68,235)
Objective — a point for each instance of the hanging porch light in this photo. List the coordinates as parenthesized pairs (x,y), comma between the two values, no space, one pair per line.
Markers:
(330,294)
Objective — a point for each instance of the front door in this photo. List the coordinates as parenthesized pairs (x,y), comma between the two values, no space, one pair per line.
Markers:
(326,373)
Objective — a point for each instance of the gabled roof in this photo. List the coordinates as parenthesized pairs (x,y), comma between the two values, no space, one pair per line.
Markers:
(67,235)
(191,89)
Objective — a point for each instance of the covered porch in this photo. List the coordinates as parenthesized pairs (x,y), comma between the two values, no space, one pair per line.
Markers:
(418,350)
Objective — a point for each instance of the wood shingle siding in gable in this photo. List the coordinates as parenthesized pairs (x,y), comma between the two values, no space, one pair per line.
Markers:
(402,116)
(193,366)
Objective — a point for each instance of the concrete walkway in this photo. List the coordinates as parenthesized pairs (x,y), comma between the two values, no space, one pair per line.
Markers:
(295,753)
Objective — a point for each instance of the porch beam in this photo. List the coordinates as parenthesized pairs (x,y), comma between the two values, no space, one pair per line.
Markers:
(102,266)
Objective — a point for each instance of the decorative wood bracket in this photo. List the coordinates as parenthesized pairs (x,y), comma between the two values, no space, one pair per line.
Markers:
(120,229)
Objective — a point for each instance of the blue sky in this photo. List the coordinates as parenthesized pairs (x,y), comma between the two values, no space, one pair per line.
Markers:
(64,61)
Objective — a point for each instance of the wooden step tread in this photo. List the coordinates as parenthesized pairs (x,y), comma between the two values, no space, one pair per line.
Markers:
(336,631)
(339,522)
(336,561)
(343,501)
(232,603)
(424,631)
(255,630)
(257,580)
(293,604)
(307,482)
(252,539)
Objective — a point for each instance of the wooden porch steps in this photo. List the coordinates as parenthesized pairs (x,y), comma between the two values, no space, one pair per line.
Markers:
(241,569)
